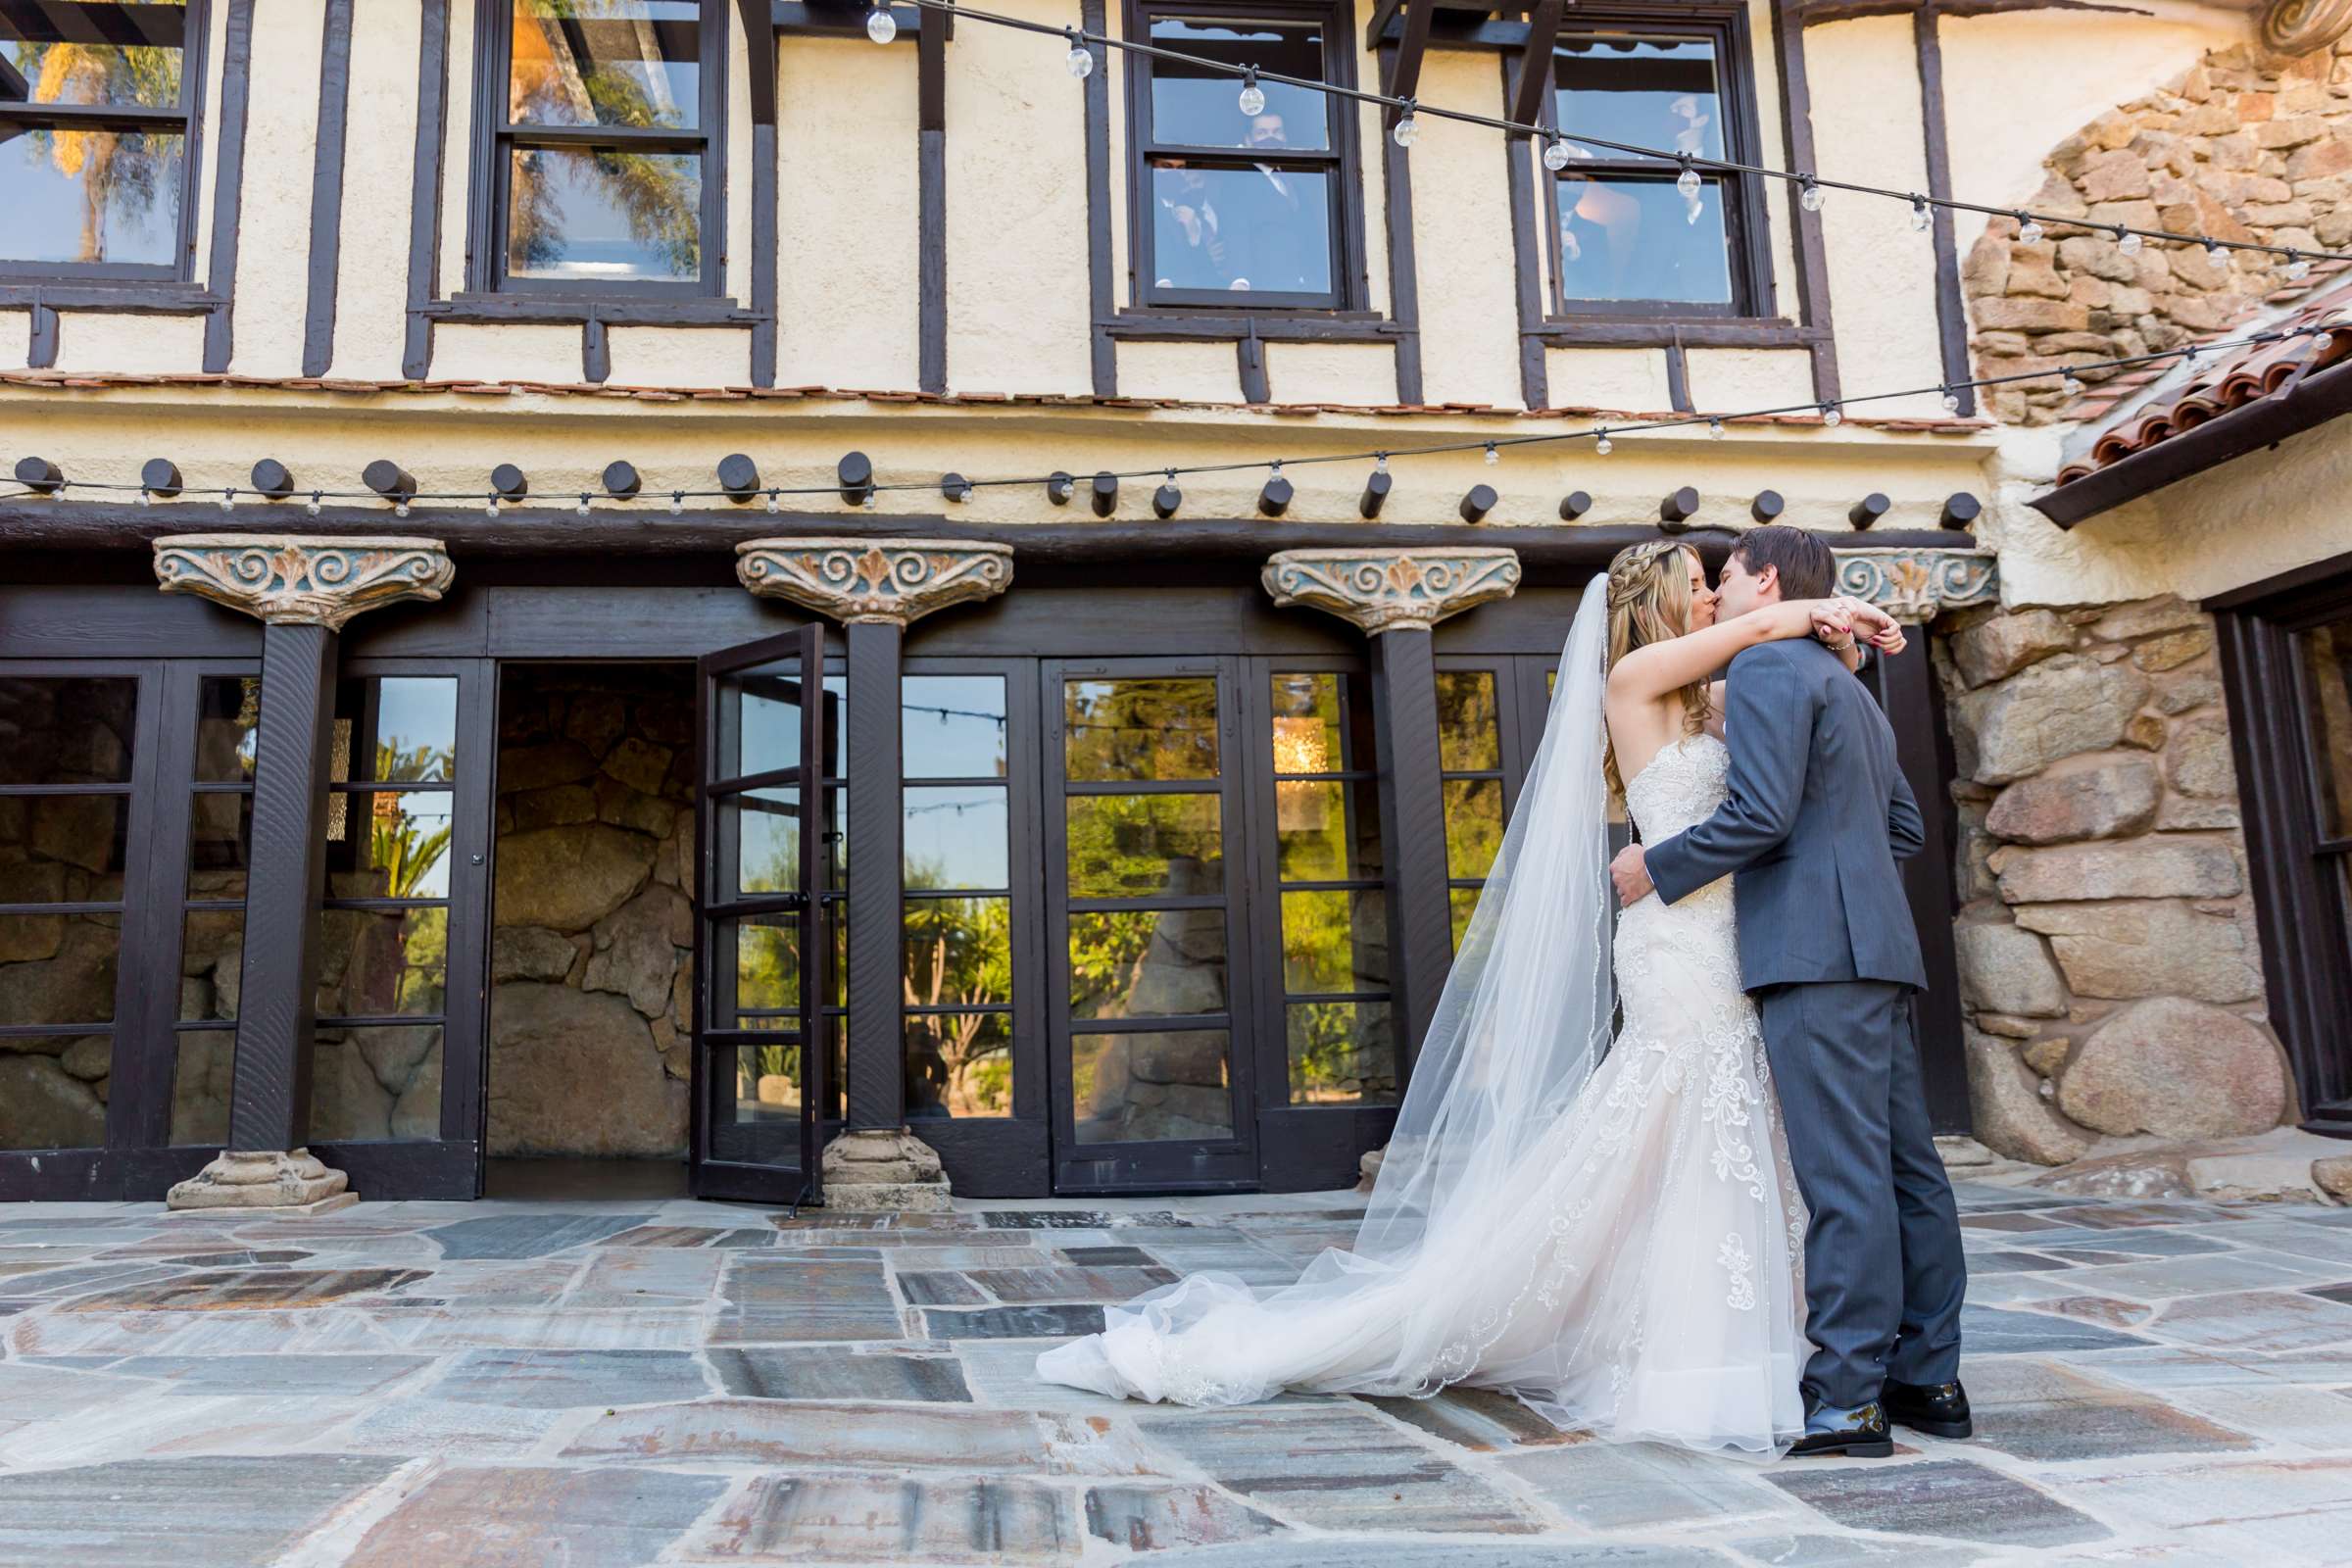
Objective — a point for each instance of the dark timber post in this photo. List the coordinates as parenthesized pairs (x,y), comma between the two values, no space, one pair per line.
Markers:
(875,587)
(304,591)
(1396,595)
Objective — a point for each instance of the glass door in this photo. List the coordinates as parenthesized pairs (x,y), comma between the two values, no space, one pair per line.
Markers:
(760,970)
(1146,885)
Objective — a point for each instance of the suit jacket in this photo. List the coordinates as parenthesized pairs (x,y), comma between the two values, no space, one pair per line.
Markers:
(1816,817)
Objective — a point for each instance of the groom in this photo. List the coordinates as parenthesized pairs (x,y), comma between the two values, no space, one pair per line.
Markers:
(1817,815)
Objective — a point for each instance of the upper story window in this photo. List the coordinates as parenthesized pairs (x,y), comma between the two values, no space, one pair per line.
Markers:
(1625,239)
(1233,208)
(97,108)
(598,164)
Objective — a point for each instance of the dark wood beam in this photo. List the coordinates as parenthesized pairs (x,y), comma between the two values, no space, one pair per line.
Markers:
(327,190)
(425,188)
(1951,313)
(760,45)
(1812,259)
(877,1049)
(1813,13)
(931,204)
(1404,278)
(1412,824)
(229,186)
(1412,45)
(1534,62)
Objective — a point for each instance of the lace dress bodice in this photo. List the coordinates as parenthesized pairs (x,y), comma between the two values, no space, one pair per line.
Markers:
(1680,789)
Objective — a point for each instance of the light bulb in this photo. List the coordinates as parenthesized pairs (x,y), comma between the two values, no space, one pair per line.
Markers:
(2128,242)
(2071,387)
(2298,269)
(1407,132)
(228,501)
(312,506)
(2030,232)
(2213,250)
(1380,462)
(582,508)
(774,505)
(145,500)
(1253,98)
(1920,217)
(869,498)
(1493,457)
(1812,197)
(490,507)
(880,24)
(1832,414)
(1604,446)
(1555,154)
(677,502)
(1950,400)
(1081,59)
(1715,429)
(400,510)
(1687,181)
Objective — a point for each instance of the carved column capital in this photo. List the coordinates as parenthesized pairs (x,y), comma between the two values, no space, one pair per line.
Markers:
(2294,28)
(291,581)
(1915,586)
(1383,590)
(889,580)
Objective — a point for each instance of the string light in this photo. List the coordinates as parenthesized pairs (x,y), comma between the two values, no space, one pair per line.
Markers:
(310,507)
(1556,153)
(400,509)
(1408,125)
(1253,98)
(2028,230)
(1081,59)
(1812,197)
(1919,215)
(677,502)
(2127,241)
(1493,457)
(2072,386)
(490,507)
(880,24)
(774,506)
(1687,181)
(2298,268)
(229,500)
(1832,414)
(1601,442)
(1950,400)
(1715,429)
(582,508)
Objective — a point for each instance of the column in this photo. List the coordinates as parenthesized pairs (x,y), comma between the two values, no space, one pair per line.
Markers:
(1395,597)
(304,591)
(875,587)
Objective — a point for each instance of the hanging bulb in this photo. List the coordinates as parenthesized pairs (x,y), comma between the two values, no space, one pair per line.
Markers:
(1082,59)
(1832,414)
(880,24)
(1920,217)
(1687,181)
(311,506)
(228,501)
(2213,250)
(1715,429)
(399,510)
(2128,242)
(1603,445)
(774,506)
(2028,230)
(1950,400)
(1812,196)
(677,502)
(582,508)
(1380,462)
(1408,129)
(1556,153)
(145,500)
(2072,387)
(868,501)
(1253,98)
(2298,268)
(490,507)
(1493,457)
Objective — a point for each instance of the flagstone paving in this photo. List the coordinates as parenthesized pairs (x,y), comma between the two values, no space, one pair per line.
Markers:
(677,1382)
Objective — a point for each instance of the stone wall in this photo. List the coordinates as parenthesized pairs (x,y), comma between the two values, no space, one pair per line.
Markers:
(2235,148)
(2109,962)
(593,923)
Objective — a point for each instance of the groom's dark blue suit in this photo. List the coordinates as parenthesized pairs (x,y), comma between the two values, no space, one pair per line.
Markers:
(1816,817)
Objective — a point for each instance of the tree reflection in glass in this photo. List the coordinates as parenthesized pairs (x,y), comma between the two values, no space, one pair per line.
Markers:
(81,192)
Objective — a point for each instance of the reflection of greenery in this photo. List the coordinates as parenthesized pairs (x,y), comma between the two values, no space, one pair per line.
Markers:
(1340,1050)
(960,954)
(114,167)
(1473,825)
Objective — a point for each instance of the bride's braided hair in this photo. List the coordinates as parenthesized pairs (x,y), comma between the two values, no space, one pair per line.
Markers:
(1649,588)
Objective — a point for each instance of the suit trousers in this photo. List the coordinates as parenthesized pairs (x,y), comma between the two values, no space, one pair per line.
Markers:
(1847,1076)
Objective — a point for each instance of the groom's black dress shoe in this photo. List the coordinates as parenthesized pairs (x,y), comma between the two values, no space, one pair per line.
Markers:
(1939,1410)
(1864,1437)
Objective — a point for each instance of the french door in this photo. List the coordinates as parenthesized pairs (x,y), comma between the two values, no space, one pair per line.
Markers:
(760,1072)
(1148,1028)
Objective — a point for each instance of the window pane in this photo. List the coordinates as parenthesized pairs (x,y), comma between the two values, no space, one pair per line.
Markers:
(387,845)
(66,731)
(1141,1087)
(416,729)
(958,1065)
(765,826)
(959,951)
(767,1088)
(1322,723)
(952,726)
(1463,901)
(58,968)
(51,1090)
(1137,845)
(75,195)
(759,720)
(221,843)
(1148,963)
(603,215)
(63,848)
(957,838)
(1151,727)
(1265,228)
(376,1084)
(212,963)
(2327,659)
(1472,825)
(1641,91)
(93,52)
(1201,107)
(1468,738)
(606,62)
(1335,940)
(1326,831)
(1628,238)
(229,721)
(200,1086)
(1341,1052)
(374,963)
(757,978)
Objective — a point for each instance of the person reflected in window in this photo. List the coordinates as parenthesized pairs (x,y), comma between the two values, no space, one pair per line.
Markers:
(1269,233)
(1188,243)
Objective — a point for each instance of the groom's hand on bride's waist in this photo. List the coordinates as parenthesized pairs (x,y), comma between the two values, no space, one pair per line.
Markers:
(1631,873)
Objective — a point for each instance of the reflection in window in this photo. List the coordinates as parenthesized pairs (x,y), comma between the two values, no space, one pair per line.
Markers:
(93,132)
(1470,763)
(2328,661)
(956,924)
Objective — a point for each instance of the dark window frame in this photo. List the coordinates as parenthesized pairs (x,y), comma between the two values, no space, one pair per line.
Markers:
(1747,232)
(1342,161)
(187,117)
(494,135)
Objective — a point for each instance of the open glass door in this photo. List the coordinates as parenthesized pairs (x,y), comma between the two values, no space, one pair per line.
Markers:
(758,1078)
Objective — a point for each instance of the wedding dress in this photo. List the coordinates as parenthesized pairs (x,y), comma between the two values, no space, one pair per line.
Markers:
(1616,1239)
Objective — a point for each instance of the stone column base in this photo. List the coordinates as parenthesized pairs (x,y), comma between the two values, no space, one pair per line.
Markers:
(1368,1167)
(287,1184)
(879,1170)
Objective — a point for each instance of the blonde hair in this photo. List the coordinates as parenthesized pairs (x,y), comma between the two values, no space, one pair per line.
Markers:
(1649,601)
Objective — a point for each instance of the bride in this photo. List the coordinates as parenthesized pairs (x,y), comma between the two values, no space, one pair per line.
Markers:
(1608,1229)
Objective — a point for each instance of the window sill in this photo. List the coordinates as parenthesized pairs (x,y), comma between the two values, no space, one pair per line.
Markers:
(1665,331)
(130,295)
(575,310)
(1278,325)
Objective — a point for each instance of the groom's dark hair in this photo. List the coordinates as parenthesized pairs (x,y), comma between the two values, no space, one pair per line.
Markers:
(1808,569)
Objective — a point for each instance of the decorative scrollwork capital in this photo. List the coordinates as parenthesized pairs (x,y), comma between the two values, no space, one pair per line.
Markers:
(2294,28)
(291,581)
(889,580)
(1915,586)
(1382,590)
